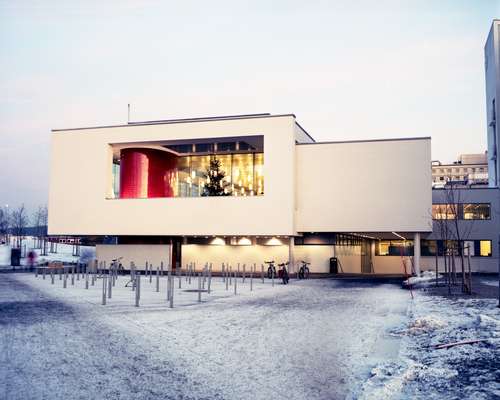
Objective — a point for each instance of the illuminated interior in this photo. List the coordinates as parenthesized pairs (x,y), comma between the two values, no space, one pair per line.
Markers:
(205,167)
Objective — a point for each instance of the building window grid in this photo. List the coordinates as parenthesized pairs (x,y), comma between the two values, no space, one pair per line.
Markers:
(466,211)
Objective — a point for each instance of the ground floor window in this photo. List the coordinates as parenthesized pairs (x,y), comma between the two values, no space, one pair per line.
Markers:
(394,248)
(476,248)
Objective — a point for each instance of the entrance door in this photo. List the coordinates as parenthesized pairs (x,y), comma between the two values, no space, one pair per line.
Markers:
(366,257)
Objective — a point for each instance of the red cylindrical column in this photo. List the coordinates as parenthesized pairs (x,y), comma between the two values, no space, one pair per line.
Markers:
(147,173)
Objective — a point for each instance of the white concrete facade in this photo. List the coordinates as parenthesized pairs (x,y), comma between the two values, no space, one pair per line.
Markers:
(308,188)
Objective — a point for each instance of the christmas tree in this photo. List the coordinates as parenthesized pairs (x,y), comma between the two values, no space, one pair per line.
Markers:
(215,185)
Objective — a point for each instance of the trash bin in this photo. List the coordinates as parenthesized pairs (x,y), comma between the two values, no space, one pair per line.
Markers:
(15,257)
(334,265)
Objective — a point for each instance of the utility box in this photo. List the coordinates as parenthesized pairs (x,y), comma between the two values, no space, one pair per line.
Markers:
(15,257)
(334,265)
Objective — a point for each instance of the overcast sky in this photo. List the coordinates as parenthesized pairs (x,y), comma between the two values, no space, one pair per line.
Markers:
(347,69)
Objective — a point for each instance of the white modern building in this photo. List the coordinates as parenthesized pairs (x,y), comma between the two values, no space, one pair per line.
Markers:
(241,189)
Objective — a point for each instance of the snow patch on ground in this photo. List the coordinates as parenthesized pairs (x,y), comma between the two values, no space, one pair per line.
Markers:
(424,372)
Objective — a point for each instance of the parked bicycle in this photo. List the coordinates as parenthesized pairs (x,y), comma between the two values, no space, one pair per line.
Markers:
(283,273)
(304,270)
(271,270)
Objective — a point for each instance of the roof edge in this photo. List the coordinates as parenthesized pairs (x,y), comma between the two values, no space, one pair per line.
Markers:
(180,121)
(367,140)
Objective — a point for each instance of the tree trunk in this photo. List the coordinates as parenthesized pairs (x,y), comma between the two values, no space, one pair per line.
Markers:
(437,261)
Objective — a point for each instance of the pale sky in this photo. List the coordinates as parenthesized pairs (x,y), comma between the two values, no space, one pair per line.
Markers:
(347,69)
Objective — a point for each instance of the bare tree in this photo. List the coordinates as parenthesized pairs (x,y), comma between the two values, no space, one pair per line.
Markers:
(40,224)
(460,232)
(19,221)
(4,224)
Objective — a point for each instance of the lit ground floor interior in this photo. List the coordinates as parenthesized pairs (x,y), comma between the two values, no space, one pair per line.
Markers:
(353,253)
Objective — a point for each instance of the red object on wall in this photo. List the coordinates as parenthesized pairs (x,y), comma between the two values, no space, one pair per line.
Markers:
(147,173)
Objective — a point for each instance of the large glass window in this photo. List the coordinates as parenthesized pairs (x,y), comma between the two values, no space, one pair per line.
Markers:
(482,248)
(443,211)
(229,166)
(394,248)
(476,211)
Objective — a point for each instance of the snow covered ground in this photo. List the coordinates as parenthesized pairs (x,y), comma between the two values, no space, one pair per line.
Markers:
(316,339)
(470,371)
(64,253)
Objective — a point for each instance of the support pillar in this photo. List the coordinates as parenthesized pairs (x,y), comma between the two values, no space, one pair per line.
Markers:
(416,253)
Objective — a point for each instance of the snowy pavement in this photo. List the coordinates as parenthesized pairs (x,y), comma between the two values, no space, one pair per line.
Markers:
(316,339)
(467,371)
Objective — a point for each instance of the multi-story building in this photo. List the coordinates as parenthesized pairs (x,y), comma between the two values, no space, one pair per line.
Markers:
(492,75)
(240,189)
(464,219)
(469,169)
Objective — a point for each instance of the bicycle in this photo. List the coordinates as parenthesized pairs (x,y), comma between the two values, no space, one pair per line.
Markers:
(304,270)
(283,273)
(271,271)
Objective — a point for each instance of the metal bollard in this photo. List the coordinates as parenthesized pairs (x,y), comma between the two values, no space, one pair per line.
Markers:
(65,281)
(230,276)
(227,280)
(72,276)
(157,279)
(243,280)
(235,282)
(161,268)
(180,277)
(60,271)
(137,290)
(251,278)
(36,272)
(171,283)
(209,278)
(43,273)
(151,273)
(52,276)
(77,271)
(86,279)
(199,287)
(262,272)
(272,279)
(110,283)
(104,290)
(169,278)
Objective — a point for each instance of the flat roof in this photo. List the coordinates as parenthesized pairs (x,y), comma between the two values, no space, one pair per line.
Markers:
(184,121)
(367,140)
